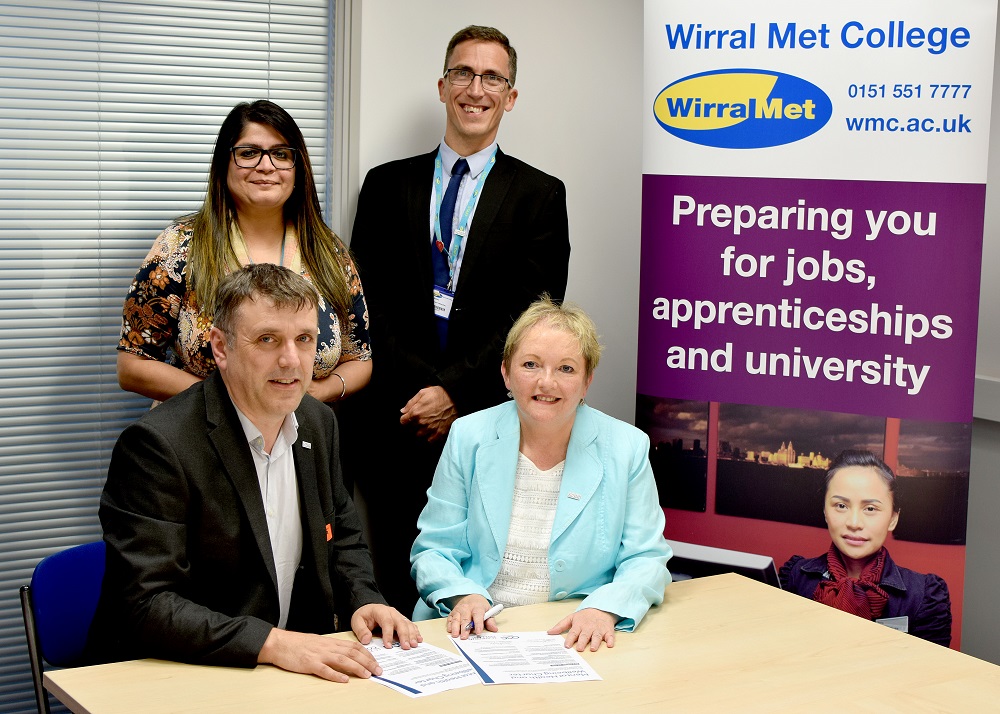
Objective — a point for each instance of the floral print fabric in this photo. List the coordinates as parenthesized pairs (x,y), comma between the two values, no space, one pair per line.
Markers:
(162,318)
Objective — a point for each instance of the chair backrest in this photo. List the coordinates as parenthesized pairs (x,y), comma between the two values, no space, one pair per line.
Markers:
(65,588)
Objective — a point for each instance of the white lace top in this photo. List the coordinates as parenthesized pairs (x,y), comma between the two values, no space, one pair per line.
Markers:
(524,573)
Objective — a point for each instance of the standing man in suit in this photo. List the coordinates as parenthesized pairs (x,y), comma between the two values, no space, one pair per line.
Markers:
(230,536)
(452,246)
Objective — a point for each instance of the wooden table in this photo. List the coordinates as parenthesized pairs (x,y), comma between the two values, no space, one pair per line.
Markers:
(718,644)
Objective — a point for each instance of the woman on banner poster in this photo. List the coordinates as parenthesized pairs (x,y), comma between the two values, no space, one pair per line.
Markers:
(857,574)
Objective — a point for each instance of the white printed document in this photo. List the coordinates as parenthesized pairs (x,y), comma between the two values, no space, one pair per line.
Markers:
(422,670)
(524,658)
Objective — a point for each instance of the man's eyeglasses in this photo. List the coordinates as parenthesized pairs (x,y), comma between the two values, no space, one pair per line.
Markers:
(464,77)
(249,157)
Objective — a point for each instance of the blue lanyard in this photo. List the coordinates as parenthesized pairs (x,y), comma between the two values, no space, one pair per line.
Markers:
(463,223)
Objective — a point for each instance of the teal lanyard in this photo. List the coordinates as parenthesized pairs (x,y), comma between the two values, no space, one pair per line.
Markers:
(463,223)
(281,258)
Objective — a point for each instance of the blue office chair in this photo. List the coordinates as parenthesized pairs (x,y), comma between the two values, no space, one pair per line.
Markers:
(58,608)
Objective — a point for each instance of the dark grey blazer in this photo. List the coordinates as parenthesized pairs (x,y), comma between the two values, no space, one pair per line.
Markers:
(190,573)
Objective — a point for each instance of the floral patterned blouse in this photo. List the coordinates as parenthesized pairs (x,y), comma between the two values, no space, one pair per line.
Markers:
(163,320)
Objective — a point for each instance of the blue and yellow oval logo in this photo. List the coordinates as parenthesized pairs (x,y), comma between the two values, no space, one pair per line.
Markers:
(742,108)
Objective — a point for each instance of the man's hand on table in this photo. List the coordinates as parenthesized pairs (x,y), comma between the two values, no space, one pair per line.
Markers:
(335,659)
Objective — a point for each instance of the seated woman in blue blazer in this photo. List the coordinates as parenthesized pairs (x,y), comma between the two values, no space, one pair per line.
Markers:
(543,498)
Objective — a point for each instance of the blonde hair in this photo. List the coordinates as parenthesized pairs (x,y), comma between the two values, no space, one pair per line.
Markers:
(563,316)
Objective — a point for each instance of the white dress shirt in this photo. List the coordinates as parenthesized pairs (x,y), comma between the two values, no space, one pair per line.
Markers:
(279,492)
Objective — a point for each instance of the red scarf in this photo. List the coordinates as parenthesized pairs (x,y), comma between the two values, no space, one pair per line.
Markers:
(859,596)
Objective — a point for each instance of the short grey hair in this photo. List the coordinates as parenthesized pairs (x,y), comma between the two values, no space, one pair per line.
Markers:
(281,286)
(481,33)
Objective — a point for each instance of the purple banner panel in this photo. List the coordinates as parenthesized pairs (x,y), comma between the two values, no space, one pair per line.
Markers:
(848,296)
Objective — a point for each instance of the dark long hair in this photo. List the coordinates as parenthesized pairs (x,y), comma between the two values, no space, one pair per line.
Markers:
(211,251)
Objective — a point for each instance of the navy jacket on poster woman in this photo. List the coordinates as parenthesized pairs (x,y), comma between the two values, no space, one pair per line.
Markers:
(922,598)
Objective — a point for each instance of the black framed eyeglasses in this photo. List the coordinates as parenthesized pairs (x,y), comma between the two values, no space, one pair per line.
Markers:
(249,157)
(463,78)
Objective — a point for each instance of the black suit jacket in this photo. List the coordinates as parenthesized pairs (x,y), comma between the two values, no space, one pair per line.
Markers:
(517,248)
(190,572)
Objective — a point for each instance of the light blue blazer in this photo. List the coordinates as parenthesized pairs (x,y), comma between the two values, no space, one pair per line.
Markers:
(607,541)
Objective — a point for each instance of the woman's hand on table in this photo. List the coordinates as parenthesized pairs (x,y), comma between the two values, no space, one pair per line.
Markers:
(588,626)
(470,608)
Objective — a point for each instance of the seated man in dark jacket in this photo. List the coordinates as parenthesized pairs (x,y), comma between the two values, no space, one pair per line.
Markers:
(230,536)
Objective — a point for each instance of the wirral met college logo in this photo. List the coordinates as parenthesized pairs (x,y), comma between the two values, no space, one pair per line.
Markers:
(742,108)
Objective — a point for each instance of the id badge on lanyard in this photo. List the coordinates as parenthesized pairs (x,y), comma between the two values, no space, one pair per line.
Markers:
(443,300)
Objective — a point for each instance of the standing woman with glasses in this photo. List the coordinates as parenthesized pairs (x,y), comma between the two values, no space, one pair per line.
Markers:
(261,206)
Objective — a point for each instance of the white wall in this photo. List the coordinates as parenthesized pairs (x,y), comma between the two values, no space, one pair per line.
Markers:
(988,352)
(988,357)
(580,122)
(584,127)
(980,624)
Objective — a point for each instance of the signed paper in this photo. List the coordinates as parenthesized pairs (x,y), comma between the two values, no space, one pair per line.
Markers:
(422,670)
(524,658)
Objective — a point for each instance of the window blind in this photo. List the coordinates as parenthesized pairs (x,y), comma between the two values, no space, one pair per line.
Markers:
(108,115)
